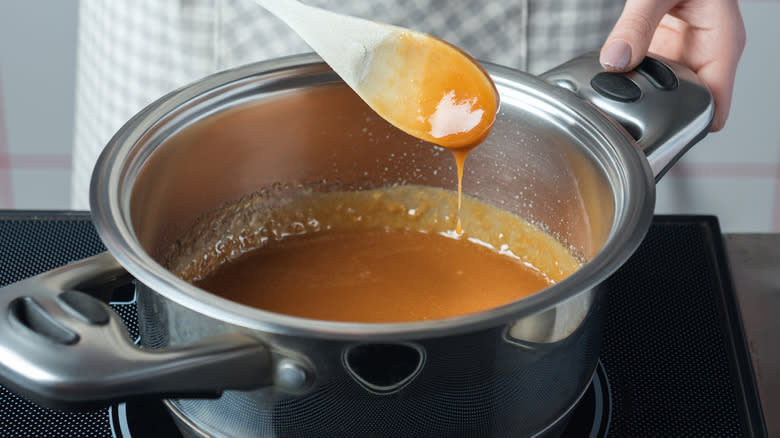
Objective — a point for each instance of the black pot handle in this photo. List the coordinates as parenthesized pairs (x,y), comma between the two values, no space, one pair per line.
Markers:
(65,349)
(663,105)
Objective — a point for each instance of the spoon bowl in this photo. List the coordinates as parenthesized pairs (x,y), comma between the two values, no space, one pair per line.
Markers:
(422,85)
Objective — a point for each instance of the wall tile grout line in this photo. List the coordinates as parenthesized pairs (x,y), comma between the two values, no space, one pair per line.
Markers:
(724,170)
(6,182)
(775,226)
(37,161)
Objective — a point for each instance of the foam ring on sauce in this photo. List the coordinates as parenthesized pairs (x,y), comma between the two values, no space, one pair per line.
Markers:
(258,222)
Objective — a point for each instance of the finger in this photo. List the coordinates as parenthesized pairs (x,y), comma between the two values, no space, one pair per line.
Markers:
(713,77)
(719,75)
(627,44)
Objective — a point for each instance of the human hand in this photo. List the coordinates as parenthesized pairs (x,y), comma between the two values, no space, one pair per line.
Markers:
(708,36)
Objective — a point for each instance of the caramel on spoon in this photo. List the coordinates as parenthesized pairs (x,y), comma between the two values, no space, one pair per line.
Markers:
(422,85)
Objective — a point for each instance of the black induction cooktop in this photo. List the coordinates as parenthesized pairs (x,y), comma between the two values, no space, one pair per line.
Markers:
(674,360)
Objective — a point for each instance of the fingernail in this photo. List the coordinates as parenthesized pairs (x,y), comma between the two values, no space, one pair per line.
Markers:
(616,55)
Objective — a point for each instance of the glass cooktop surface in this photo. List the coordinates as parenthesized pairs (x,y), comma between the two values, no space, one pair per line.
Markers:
(674,360)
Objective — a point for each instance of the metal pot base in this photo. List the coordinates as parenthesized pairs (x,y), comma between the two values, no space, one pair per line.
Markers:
(588,416)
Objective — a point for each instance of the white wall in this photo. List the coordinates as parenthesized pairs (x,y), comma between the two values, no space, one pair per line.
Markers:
(37,78)
(734,174)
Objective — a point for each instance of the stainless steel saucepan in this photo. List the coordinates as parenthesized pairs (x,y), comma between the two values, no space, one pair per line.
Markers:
(575,151)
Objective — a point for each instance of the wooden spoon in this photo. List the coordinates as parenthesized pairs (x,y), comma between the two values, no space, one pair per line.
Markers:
(422,85)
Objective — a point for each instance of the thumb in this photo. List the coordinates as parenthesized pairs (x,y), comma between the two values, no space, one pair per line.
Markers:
(629,40)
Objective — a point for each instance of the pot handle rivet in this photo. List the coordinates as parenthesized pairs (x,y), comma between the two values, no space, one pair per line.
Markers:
(291,375)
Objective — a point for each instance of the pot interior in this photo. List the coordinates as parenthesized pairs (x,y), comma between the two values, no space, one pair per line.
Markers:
(272,139)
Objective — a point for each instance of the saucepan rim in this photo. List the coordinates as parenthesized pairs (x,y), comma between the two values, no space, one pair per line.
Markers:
(624,164)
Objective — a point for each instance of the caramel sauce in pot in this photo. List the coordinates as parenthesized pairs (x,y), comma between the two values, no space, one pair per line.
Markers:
(384,255)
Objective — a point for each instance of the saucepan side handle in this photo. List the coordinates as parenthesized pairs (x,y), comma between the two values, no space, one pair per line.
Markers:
(65,349)
(662,104)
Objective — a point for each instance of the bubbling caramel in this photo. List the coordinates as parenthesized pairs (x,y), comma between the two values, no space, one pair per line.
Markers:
(385,255)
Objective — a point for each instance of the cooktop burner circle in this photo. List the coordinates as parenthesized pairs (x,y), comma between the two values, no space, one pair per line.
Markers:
(589,419)
(591,416)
